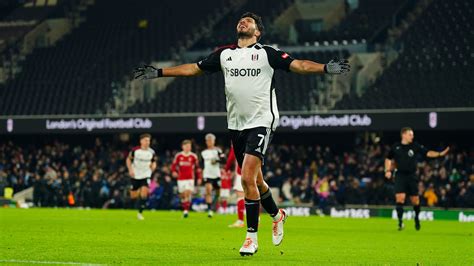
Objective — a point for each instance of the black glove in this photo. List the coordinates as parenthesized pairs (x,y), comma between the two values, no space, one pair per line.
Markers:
(337,66)
(147,72)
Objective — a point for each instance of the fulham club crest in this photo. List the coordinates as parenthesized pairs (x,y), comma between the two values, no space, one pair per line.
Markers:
(255,57)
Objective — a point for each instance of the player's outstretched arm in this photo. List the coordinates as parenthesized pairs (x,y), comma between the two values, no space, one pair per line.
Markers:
(436,154)
(129,165)
(335,66)
(153,166)
(151,72)
(388,168)
(198,173)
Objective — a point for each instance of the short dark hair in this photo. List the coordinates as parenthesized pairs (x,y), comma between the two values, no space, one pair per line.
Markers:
(186,141)
(258,21)
(405,129)
(146,135)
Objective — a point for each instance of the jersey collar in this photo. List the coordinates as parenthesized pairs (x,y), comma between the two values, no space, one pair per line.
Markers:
(250,46)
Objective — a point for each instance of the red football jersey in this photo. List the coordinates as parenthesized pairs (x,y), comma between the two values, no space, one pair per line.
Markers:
(187,166)
(226,181)
(231,160)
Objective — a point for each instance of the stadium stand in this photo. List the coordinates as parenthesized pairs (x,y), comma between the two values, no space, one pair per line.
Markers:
(94,172)
(79,75)
(224,32)
(6,7)
(75,76)
(18,19)
(433,71)
(363,22)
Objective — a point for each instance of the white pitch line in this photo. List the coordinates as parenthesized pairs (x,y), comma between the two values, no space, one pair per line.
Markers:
(50,262)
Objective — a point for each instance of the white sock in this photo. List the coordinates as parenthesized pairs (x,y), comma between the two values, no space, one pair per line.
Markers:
(277,217)
(252,235)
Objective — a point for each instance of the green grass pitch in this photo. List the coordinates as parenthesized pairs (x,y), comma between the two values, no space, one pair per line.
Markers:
(117,237)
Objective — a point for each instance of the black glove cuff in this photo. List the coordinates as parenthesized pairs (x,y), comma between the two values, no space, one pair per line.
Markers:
(160,72)
(325,68)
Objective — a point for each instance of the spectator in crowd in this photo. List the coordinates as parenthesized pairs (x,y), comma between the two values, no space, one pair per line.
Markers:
(322,189)
(430,196)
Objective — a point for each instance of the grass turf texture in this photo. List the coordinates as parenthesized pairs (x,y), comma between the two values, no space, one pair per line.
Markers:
(117,237)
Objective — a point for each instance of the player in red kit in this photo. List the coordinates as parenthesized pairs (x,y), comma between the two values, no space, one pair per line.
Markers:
(185,167)
(226,185)
(239,190)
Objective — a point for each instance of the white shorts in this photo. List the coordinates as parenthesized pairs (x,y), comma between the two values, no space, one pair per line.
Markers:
(225,193)
(238,183)
(184,185)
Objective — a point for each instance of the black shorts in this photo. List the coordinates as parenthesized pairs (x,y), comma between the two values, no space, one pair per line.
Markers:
(252,141)
(406,183)
(138,183)
(215,182)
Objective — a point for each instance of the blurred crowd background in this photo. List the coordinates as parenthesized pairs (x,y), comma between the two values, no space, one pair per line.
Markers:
(94,174)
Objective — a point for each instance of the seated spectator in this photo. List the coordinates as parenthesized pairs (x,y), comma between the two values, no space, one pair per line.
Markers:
(430,196)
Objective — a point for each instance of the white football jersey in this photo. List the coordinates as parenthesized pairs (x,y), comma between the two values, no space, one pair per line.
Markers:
(141,162)
(212,170)
(248,74)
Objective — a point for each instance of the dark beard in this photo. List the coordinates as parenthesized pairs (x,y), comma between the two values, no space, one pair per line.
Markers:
(244,35)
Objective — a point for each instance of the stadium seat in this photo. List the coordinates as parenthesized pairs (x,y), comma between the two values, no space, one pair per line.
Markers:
(430,72)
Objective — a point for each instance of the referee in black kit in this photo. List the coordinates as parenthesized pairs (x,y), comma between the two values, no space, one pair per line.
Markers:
(405,154)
